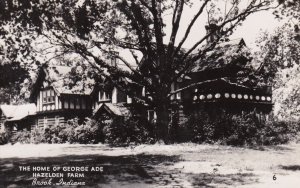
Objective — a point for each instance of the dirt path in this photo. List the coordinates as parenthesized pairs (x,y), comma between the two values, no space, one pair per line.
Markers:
(182,165)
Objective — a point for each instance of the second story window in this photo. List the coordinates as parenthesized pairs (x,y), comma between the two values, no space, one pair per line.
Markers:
(104,96)
(113,59)
(48,100)
(48,96)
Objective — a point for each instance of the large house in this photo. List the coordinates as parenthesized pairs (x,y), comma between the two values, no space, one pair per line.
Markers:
(54,102)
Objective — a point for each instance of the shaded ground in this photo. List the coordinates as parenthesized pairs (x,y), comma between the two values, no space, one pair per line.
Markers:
(184,165)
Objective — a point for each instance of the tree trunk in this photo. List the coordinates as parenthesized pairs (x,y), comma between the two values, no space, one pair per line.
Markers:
(162,126)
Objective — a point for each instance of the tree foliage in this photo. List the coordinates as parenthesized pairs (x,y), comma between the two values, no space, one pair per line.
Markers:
(278,55)
(96,30)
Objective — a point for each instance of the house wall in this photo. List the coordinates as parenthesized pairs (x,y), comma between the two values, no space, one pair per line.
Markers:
(112,96)
(2,123)
(48,100)
(49,120)
(44,120)
(54,109)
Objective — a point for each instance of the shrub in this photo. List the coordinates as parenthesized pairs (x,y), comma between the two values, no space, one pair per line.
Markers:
(242,129)
(89,132)
(22,137)
(122,131)
(278,132)
(37,136)
(5,137)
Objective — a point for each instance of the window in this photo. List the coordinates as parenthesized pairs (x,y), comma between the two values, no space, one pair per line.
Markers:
(44,96)
(66,103)
(72,103)
(209,96)
(202,97)
(104,96)
(175,87)
(48,100)
(56,120)
(151,115)
(114,95)
(113,60)
(45,121)
(217,95)
(83,103)
(178,95)
(48,96)
(129,100)
(77,103)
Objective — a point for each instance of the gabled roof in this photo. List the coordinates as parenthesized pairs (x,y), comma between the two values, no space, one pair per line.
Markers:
(18,112)
(225,84)
(114,109)
(59,78)
(224,53)
(8,110)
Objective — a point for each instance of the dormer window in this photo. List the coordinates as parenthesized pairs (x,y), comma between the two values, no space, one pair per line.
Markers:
(104,96)
(113,59)
(48,96)
(175,87)
(48,102)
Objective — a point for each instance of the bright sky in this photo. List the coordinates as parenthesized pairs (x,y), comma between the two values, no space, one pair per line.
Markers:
(252,26)
(249,31)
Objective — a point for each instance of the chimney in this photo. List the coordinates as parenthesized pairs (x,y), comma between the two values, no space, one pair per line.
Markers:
(214,32)
(297,32)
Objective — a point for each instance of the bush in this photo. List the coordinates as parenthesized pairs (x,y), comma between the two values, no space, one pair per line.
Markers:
(22,137)
(243,129)
(90,132)
(5,137)
(278,132)
(37,136)
(123,131)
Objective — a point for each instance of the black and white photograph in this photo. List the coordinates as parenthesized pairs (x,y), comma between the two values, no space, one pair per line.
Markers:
(150,93)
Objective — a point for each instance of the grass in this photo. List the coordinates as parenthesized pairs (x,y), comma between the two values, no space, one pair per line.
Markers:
(182,165)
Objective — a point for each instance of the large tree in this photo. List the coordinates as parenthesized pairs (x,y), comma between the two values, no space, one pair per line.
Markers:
(95,30)
(279,58)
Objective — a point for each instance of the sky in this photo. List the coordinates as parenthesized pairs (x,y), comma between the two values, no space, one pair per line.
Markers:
(249,31)
(254,25)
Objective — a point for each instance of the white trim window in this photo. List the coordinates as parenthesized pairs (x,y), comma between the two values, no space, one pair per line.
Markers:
(151,115)
(56,120)
(45,122)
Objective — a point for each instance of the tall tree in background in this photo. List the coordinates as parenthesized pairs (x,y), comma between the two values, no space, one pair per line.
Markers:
(96,30)
(14,59)
(12,76)
(279,58)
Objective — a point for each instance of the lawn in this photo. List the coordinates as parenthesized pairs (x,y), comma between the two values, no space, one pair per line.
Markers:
(182,165)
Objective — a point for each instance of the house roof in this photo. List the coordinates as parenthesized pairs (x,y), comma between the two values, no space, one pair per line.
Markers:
(8,110)
(223,54)
(115,109)
(18,112)
(59,77)
(225,84)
